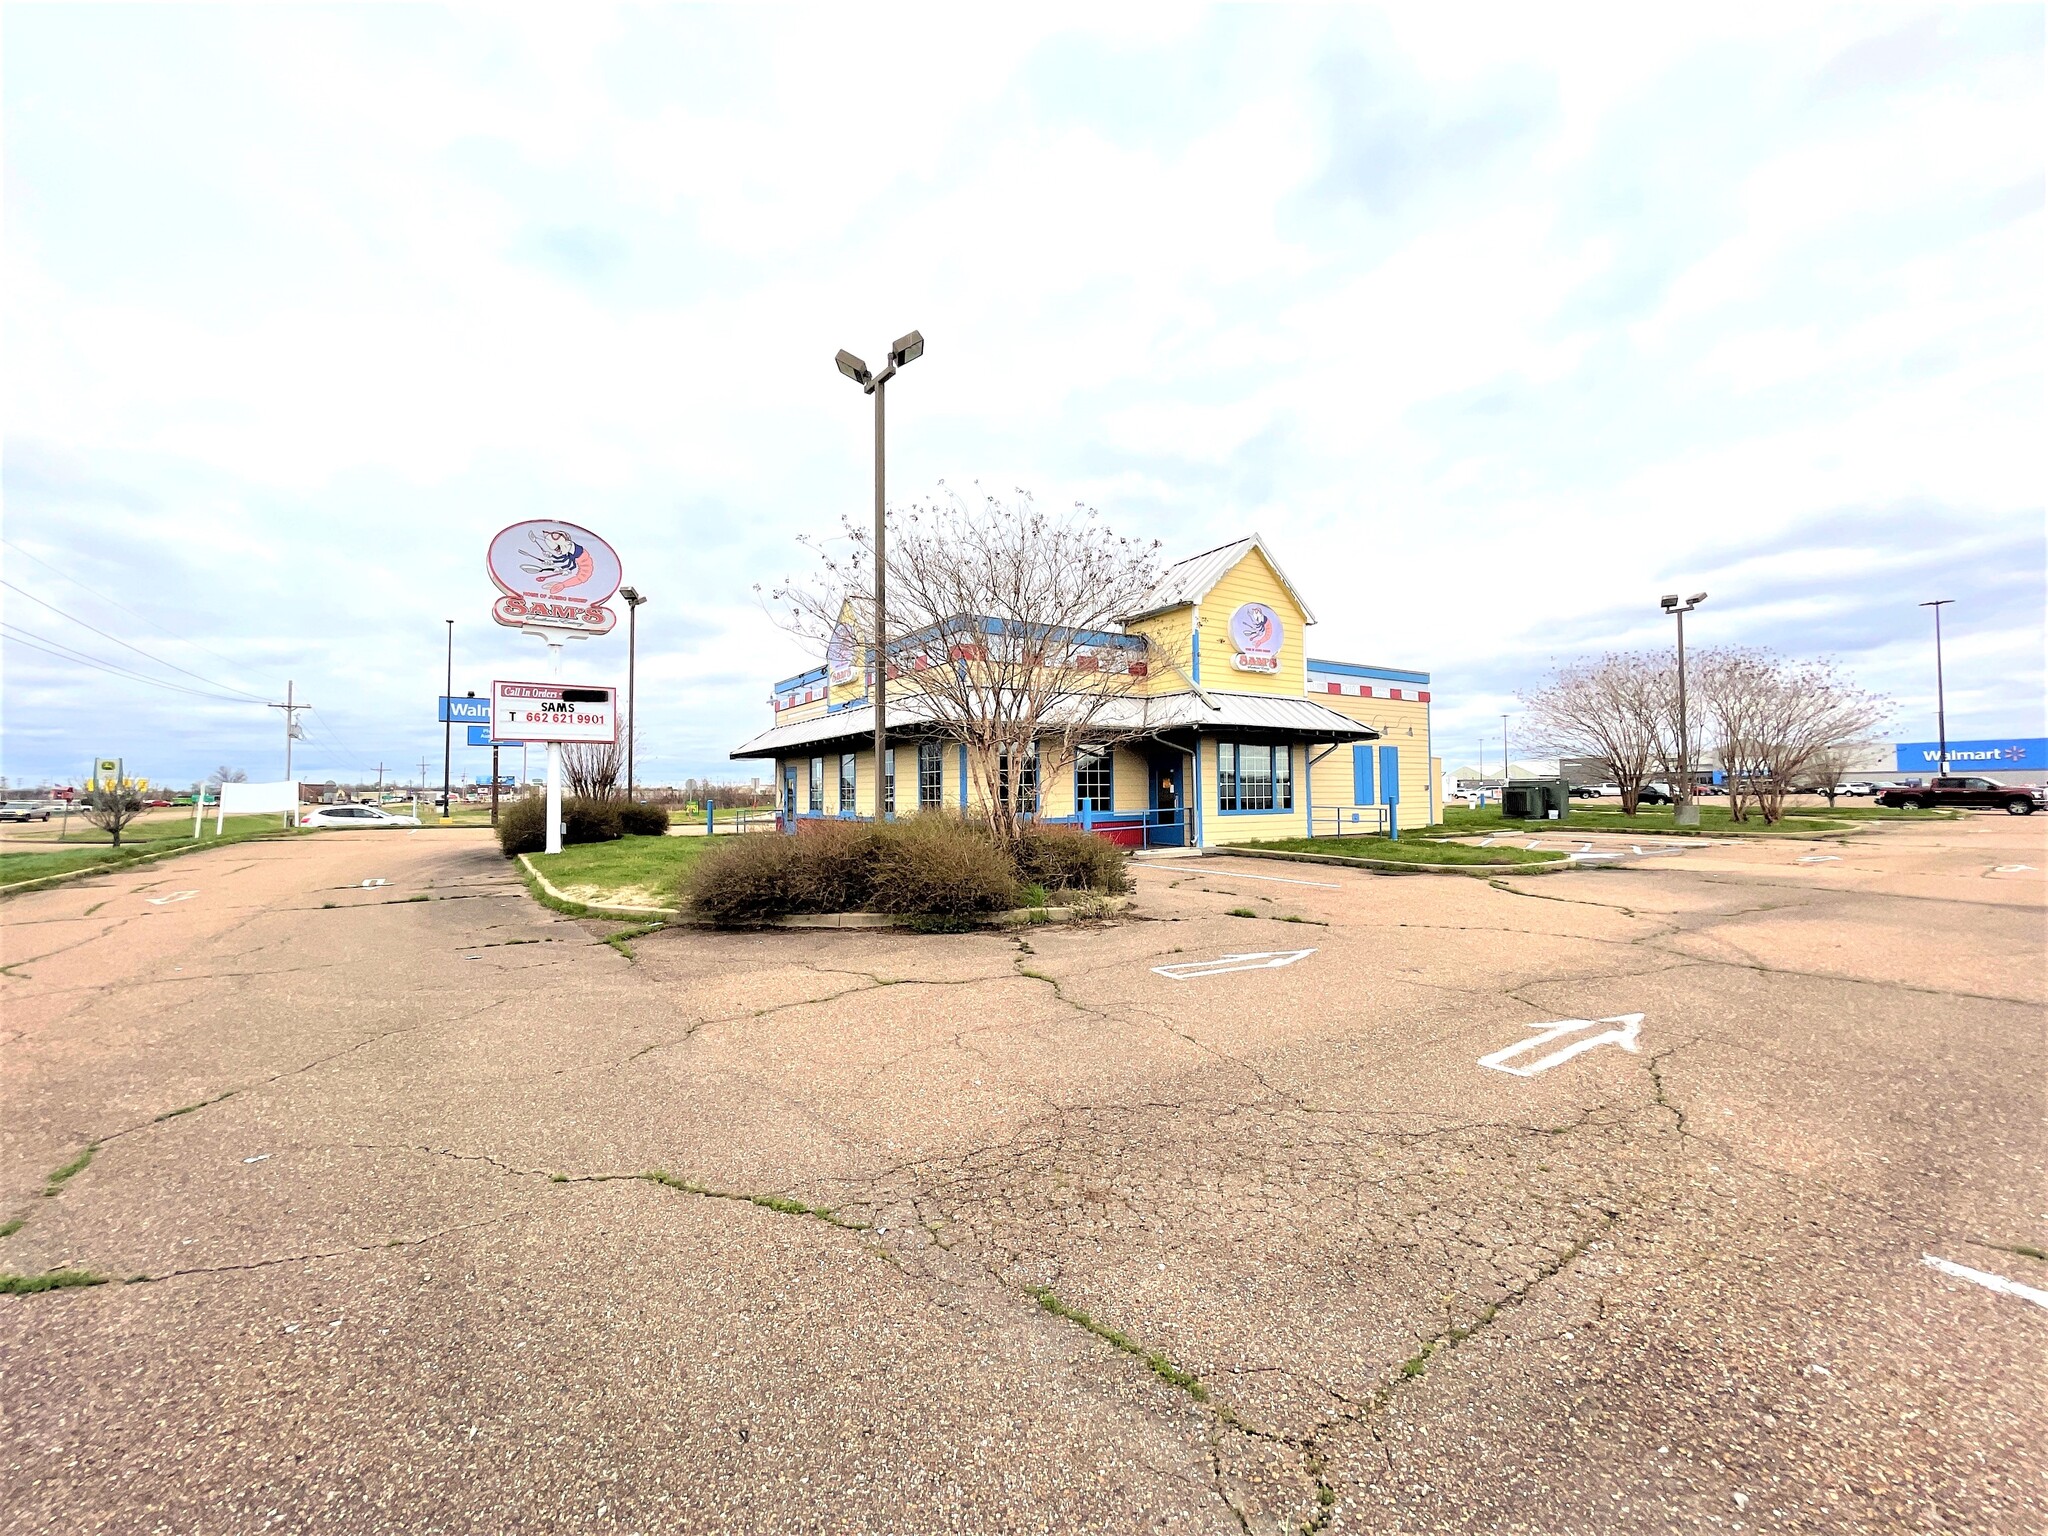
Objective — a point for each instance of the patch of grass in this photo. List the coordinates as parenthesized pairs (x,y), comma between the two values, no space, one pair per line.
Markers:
(1408,850)
(629,871)
(1798,821)
(57,1180)
(1155,1362)
(781,1204)
(142,842)
(9,1228)
(1031,896)
(188,1109)
(1240,912)
(622,941)
(410,899)
(49,1280)
(2024,1250)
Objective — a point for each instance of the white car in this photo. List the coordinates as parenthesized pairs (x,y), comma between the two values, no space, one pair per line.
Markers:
(354,816)
(24,810)
(1859,788)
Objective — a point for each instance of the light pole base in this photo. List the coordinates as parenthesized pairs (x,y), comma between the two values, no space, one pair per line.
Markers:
(1685,815)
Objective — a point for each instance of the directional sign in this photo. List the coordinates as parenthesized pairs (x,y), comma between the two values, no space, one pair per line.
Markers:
(1624,1027)
(465,711)
(1261,960)
(480,736)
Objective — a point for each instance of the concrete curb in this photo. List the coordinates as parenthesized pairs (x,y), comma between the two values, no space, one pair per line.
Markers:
(602,909)
(1393,867)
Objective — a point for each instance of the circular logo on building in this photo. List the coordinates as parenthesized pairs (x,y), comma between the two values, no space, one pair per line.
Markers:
(1256,632)
(554,575)
(842,653)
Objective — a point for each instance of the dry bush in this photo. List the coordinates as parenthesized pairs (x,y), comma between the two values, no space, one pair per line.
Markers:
(1067,859)
(523,823)
(934,866)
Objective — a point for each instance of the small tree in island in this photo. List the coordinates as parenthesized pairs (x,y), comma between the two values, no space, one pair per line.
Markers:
(1004,634)
(111,806)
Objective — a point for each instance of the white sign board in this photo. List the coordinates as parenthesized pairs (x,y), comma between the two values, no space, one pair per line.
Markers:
(565,712)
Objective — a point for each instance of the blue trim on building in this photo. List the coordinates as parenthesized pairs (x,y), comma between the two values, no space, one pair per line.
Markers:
(963,775)
(1195,793)
(1352,669)
(816,674)
(1361,773)
(1195,644)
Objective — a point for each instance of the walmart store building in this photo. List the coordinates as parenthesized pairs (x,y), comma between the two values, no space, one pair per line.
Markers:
(1250,738)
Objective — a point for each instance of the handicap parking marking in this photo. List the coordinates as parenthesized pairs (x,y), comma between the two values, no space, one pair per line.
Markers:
(161,901)
(1629,1026)
(1986,1279)
(1223,965)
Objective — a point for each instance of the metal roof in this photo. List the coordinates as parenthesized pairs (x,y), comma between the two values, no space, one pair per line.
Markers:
(1189,580)
(1151,716)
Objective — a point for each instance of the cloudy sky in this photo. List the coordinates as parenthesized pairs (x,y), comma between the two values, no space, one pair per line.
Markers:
(1497,323)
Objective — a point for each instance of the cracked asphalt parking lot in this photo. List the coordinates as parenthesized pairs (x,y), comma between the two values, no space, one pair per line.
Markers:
(443,1215)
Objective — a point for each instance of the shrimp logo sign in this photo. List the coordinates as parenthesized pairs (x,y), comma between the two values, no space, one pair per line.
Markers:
(553,575)
(1256,631)
(841,655)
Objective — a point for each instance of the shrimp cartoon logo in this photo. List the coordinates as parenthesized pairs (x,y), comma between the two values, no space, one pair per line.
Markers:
(554,575)
(1257,633)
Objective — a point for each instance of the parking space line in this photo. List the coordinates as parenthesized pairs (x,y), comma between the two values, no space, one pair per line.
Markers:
(1986,1279)
(1238,874)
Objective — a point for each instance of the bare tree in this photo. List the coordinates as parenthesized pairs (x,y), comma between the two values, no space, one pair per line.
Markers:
(1612,710)
(1774,720)
(110,807)
(227,775)
(1005,631)
(595,768)
(1831,763)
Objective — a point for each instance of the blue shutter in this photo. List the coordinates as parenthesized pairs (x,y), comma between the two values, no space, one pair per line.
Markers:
(1361,774)
(1390,775)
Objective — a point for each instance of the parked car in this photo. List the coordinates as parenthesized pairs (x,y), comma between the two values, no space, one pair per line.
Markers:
(1655,794)
(1961,794)
(358,816)
(1862,789)
(1586,791)
(24,810)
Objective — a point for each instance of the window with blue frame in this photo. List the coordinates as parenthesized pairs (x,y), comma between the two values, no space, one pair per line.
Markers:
(1253,776)
(817,800)
(1025,765)
(889,782)
(1094,782)
(847,804)
(930,775)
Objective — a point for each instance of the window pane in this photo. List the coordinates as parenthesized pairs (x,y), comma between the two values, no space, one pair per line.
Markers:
(846,800)
(1283,778)
(1226,775)
(889,781)
(1092,780)
(930,781)
(817,786)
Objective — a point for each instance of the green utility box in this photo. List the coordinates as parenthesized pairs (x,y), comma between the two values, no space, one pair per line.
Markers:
(1536,799)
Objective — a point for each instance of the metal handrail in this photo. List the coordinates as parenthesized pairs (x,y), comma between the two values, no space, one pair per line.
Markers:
(1349,821)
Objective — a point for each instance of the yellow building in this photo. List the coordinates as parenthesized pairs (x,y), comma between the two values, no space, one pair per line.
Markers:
(1225,730)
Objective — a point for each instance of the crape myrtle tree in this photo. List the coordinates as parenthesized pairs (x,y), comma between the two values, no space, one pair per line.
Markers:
(1774,720)
(1612,709)
(111,806)
(1003,633)
(595,769)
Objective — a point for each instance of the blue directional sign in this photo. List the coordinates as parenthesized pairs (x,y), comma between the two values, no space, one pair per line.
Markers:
(465,711)
(480,736)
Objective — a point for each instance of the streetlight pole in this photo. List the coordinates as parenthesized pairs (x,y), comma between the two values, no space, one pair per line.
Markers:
(447,728)
(634,598)
(1940,694)
(1503,749)
(1683,812)
(906,350)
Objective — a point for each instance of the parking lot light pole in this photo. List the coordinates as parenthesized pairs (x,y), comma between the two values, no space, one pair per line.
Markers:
(906,350)
(1940,697)
(1683,812)
(447,727)
(634,598)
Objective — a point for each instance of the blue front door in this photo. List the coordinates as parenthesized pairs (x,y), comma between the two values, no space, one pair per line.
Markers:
(789,797)
(1169,819)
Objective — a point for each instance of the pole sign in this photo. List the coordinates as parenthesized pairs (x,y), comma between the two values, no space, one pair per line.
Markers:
(553,575)
(559,712)
(2004,754)
(465,711)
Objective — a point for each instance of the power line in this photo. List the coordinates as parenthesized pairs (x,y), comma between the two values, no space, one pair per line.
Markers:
(138,650)
(16,635)
(103,597)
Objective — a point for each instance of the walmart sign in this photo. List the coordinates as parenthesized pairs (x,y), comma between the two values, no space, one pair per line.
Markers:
(2008,754)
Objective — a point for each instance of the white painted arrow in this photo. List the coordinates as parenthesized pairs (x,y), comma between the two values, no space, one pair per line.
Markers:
(158,901)
(1262,960)
(1629,1025)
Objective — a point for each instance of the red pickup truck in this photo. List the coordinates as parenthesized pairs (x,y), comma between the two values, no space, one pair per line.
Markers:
(1961,794)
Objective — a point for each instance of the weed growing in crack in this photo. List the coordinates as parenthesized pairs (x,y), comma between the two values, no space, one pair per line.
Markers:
(781,1204)
(1157,1363)
(188,1109)
(77,1165)
(1240,912)
(411,899)
(2024,1250)
(49,1280)
(9,1228)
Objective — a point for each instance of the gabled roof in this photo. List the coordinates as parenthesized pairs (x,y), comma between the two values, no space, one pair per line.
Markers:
(1189,580)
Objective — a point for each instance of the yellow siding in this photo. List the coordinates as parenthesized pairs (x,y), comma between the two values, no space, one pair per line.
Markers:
(1169,641)
(1403,724)
(1252,580)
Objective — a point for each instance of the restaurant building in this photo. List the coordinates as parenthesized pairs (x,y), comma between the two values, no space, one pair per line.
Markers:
(1224,729)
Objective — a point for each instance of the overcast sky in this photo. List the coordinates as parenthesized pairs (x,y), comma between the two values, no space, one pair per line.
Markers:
(1496,323)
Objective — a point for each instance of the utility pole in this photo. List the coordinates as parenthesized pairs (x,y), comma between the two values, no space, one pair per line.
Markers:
(1940,695)
(291,731)
(380,783)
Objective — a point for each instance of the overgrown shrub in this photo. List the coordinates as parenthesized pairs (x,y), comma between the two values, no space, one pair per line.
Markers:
(523,823)
(932,866)
(640,820)
(1062,858)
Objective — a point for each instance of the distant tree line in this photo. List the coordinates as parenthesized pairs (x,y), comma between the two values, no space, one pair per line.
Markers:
(1771,722)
